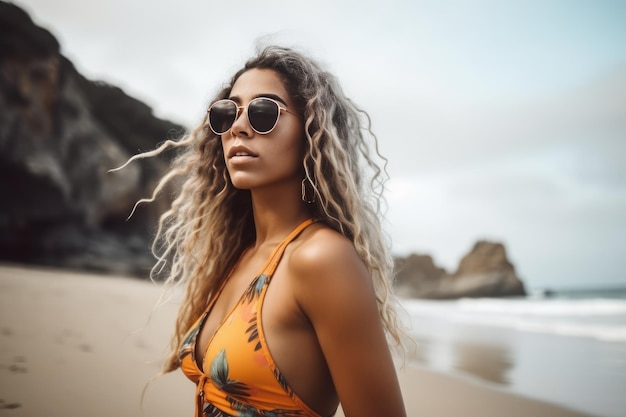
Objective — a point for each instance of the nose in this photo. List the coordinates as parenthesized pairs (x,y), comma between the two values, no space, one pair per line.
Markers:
(241,126)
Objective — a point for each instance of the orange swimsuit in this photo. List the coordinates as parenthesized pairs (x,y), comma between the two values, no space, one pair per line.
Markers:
(242,377)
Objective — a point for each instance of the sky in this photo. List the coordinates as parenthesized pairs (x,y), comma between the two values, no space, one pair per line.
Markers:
(502,121)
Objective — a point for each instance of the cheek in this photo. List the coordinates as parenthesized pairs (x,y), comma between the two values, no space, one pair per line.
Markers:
(299,142)
(290,142)
(297,150)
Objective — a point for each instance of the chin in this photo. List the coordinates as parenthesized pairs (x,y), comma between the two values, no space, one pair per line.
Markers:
(243,183)
(240,185)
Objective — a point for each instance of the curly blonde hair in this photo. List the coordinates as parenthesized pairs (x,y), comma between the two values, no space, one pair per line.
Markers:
(210,222)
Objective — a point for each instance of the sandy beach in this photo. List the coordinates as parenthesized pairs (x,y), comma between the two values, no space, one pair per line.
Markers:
(82,344)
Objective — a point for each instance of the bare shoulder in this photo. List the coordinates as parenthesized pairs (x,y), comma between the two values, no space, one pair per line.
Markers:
(321,245)
(334,290)
(323,248)
(325,261)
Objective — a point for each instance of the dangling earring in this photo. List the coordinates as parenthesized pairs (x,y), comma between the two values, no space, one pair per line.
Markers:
(307,184)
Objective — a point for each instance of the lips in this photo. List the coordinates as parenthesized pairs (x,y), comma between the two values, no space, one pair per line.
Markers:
(240,151)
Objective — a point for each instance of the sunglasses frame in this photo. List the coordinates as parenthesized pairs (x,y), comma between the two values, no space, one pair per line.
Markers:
(241,109)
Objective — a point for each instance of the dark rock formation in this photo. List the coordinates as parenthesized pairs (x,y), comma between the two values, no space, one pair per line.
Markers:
(418,275)
(60,134)
(484,272)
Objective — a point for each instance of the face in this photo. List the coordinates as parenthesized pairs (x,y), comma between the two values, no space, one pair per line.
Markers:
(257,160)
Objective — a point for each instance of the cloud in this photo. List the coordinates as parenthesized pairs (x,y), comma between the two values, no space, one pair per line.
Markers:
(428,135)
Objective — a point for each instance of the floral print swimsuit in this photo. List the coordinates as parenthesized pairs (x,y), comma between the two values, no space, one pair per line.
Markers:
(238,376)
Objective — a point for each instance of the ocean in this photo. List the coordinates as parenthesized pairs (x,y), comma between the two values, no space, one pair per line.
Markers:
(568,349)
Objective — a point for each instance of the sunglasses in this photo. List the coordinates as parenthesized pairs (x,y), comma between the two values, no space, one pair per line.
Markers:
(262,112)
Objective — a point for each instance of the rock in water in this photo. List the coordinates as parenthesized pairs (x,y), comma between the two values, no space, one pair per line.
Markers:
(484,272)
(417,275)
(487,272)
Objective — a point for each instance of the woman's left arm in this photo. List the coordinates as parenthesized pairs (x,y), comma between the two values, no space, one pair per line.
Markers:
(335,291)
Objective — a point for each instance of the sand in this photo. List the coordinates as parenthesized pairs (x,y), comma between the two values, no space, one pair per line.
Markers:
(77,344)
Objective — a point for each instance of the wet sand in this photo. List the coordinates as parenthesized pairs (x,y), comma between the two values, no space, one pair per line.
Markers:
(82,344)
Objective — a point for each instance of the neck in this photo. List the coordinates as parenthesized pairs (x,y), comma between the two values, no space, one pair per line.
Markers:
(276,213)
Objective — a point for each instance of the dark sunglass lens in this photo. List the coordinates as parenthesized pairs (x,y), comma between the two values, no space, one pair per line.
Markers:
(222,115)
(263,115)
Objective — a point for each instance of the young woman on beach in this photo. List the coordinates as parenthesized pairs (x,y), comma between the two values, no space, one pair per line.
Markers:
(276,235)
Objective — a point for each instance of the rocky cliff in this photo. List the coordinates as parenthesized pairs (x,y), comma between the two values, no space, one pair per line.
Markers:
(59,135)
(484,272)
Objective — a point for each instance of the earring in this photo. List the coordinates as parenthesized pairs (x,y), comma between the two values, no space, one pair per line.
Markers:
(305,197)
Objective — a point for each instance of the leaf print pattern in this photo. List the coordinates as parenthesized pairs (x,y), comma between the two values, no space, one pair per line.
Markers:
(212,411)
(233,388)
(255,288)
(187,346)
(219,375)
(249,411)
(283,381)
(253,330)
(250,385)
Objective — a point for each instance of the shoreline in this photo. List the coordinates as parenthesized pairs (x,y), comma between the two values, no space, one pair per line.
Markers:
(75,343)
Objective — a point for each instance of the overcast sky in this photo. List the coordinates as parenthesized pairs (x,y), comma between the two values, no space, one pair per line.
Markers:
(502,120)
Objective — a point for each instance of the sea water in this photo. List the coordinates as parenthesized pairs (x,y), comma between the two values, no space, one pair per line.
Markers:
(568,349)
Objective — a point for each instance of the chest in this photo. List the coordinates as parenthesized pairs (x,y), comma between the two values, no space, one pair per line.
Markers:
(242,308)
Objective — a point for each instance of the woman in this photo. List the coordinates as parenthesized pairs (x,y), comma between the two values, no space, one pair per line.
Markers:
(274,233)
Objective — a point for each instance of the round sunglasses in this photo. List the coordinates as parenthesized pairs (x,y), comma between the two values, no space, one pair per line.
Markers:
(262,112)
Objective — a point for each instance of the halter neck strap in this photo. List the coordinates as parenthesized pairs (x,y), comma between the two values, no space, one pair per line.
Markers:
(278,252)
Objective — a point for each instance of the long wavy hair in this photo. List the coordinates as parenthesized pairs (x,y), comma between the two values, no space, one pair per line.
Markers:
(210,223)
